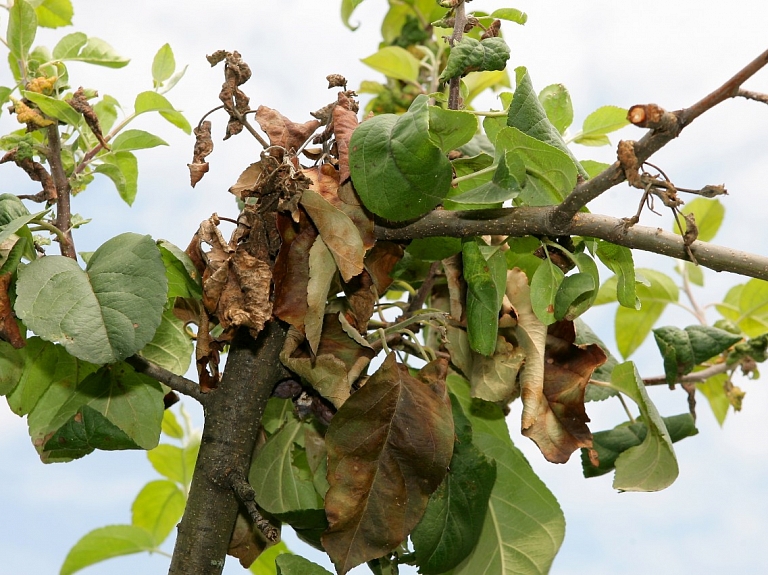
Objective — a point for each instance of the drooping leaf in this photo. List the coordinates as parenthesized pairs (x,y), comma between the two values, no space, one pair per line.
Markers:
(574,296)
(158,508)
(545,284)
(135,140)
(163,65)
(347,7)
(397,171)
(282,131)
(599,123)
(322,269)
(608,445)
(22,27)
(291,269)
(471,55)
(714,390)
(105,543)
(585,336)
(53,107)
(183,277)
(682,350)
(265,563)
(295,564)
(485,276)
(381,467)
(54,13)
(394,62)
(171,347)
(123,169)
(557,104)
(511,14)
(652,465)
(709,214)
(112,309)
(171,425)
(521,254)
(619,260)
(451,129)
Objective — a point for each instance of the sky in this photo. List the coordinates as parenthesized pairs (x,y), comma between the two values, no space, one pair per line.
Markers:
(713,519)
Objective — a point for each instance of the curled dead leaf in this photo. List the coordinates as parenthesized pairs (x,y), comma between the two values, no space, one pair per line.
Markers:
(9,329)
(203,148)
(80,103)
(281,131)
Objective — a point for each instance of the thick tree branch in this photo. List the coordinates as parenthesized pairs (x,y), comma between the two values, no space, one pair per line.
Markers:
(539,221)
(175,382)
(651,143)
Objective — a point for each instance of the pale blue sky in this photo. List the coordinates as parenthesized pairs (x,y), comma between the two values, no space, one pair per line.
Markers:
(713,519)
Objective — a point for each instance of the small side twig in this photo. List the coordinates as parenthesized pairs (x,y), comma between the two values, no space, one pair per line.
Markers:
(175,382)
(750,95)
(247,497)
(695,377)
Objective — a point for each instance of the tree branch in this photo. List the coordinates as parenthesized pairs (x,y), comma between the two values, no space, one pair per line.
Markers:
(651,143)
(460,20)
(175,382)
(695,377)
(63,191)
(540,221)
(750,95)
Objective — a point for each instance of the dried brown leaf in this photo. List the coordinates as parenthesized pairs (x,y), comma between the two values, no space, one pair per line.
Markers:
(457,287)
(361,297)
(9,329)
(203,148)
(389,446)
(344,123)
(80,103)
(380,261)
(281,131)
(291,271)
(247,542)
(321,272)
(248,182)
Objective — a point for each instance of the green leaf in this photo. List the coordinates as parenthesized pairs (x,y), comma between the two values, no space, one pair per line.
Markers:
(5,94)
(347,7)
(652,465)
(163,65)
(507,182)
(746,305)
(545,284)
(394,62)
(486,279)
(471,55)
(18,226)
(183,277)
(619,260)
(171,347)
(103,314)
(92,51)
(171,425)
(593,168)
(608,445)
(465,167)
(175,463)
(54,13)
(599,123)
(54,108)
(434,249)
(520,255)
(510,14)
(714,390)
(106,543)
(22,27)
(158,508)
(528,115)
(282,482)
(136,140)
(709,214)
(477,82)
(574,296)
(556,102)
(265,563)
(154,102)
(122,168)
(398,172)
(551,173)
(295,564)
(451,129)
(69,46)
(683,350)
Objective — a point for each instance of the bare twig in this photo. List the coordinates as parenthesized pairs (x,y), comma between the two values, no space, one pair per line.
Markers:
(417,302)
(247,497)
(63,192)
(175,382)
(695,377)
(750,95)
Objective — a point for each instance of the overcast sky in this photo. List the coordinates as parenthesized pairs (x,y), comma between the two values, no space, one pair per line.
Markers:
(713,519)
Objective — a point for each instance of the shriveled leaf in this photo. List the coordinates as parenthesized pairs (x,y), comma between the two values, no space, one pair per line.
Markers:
(471,55)
(322,269)
(394,62)
(682,350)
(397,171)
(381,467)
(291,270)
(105,543)
(599,123)
(709,214)
(556,102)
(113,307)
(158,508)
(281,131)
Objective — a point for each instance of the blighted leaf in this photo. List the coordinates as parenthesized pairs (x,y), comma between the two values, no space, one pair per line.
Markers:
(599,123)
(382,467)
(344,125)
(557,104)
(608,445)
(247,541)
(380,262)
(112,308)
(485,275)
(9,329)
(281,131)
(291,270)
(158,508)
(471,55)
(394,62)
(203,148)
(709,214)
(106,543)
(652,465)
(321,272)
(398,172)
(451,129)
(683,350)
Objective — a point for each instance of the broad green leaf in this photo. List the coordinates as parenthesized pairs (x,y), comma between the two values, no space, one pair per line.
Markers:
(54,13)
(171,425)
(103,314)
(746,305)
(69,46)
(574,296)
(5,94)
(158,508)
(451,129)
(100,413)
(347,7)
(154,102)
(551,173)
(511,14)
(106,543)
(507,182)
(394,62)
(593,168)
(471,55)
(123,169)
(265,562)
(106,110)
(545,284)
(608,445)
(22,27)
(477,82)
(54,108)
(398,173)
(619,260)
(183,277)
(163,65)
(295,564)
(135,140)
(435,248)
(281,482)
(175,463)
(528,115)
(92,51)
(520,255)
(652,465)
(709,214)
(683,350)
(465,167)
(599,123)
(18,226)
(486,276)
(714,390)
(171,347)
(557,104)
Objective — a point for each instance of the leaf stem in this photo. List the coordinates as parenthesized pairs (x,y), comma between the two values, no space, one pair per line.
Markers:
(456,181)
(626,408)
(175,382)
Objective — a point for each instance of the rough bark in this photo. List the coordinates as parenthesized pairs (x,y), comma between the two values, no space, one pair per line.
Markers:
(233,414)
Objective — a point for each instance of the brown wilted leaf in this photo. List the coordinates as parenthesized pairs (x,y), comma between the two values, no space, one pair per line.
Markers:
(322,270)
(80,103)
(203,148)
(344,123)
(281,131)
(247,542)
(291,271)
(236,73)
(361,297)
(389,446)
(248,182)
(457,287)
(9,329)
(380,261)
